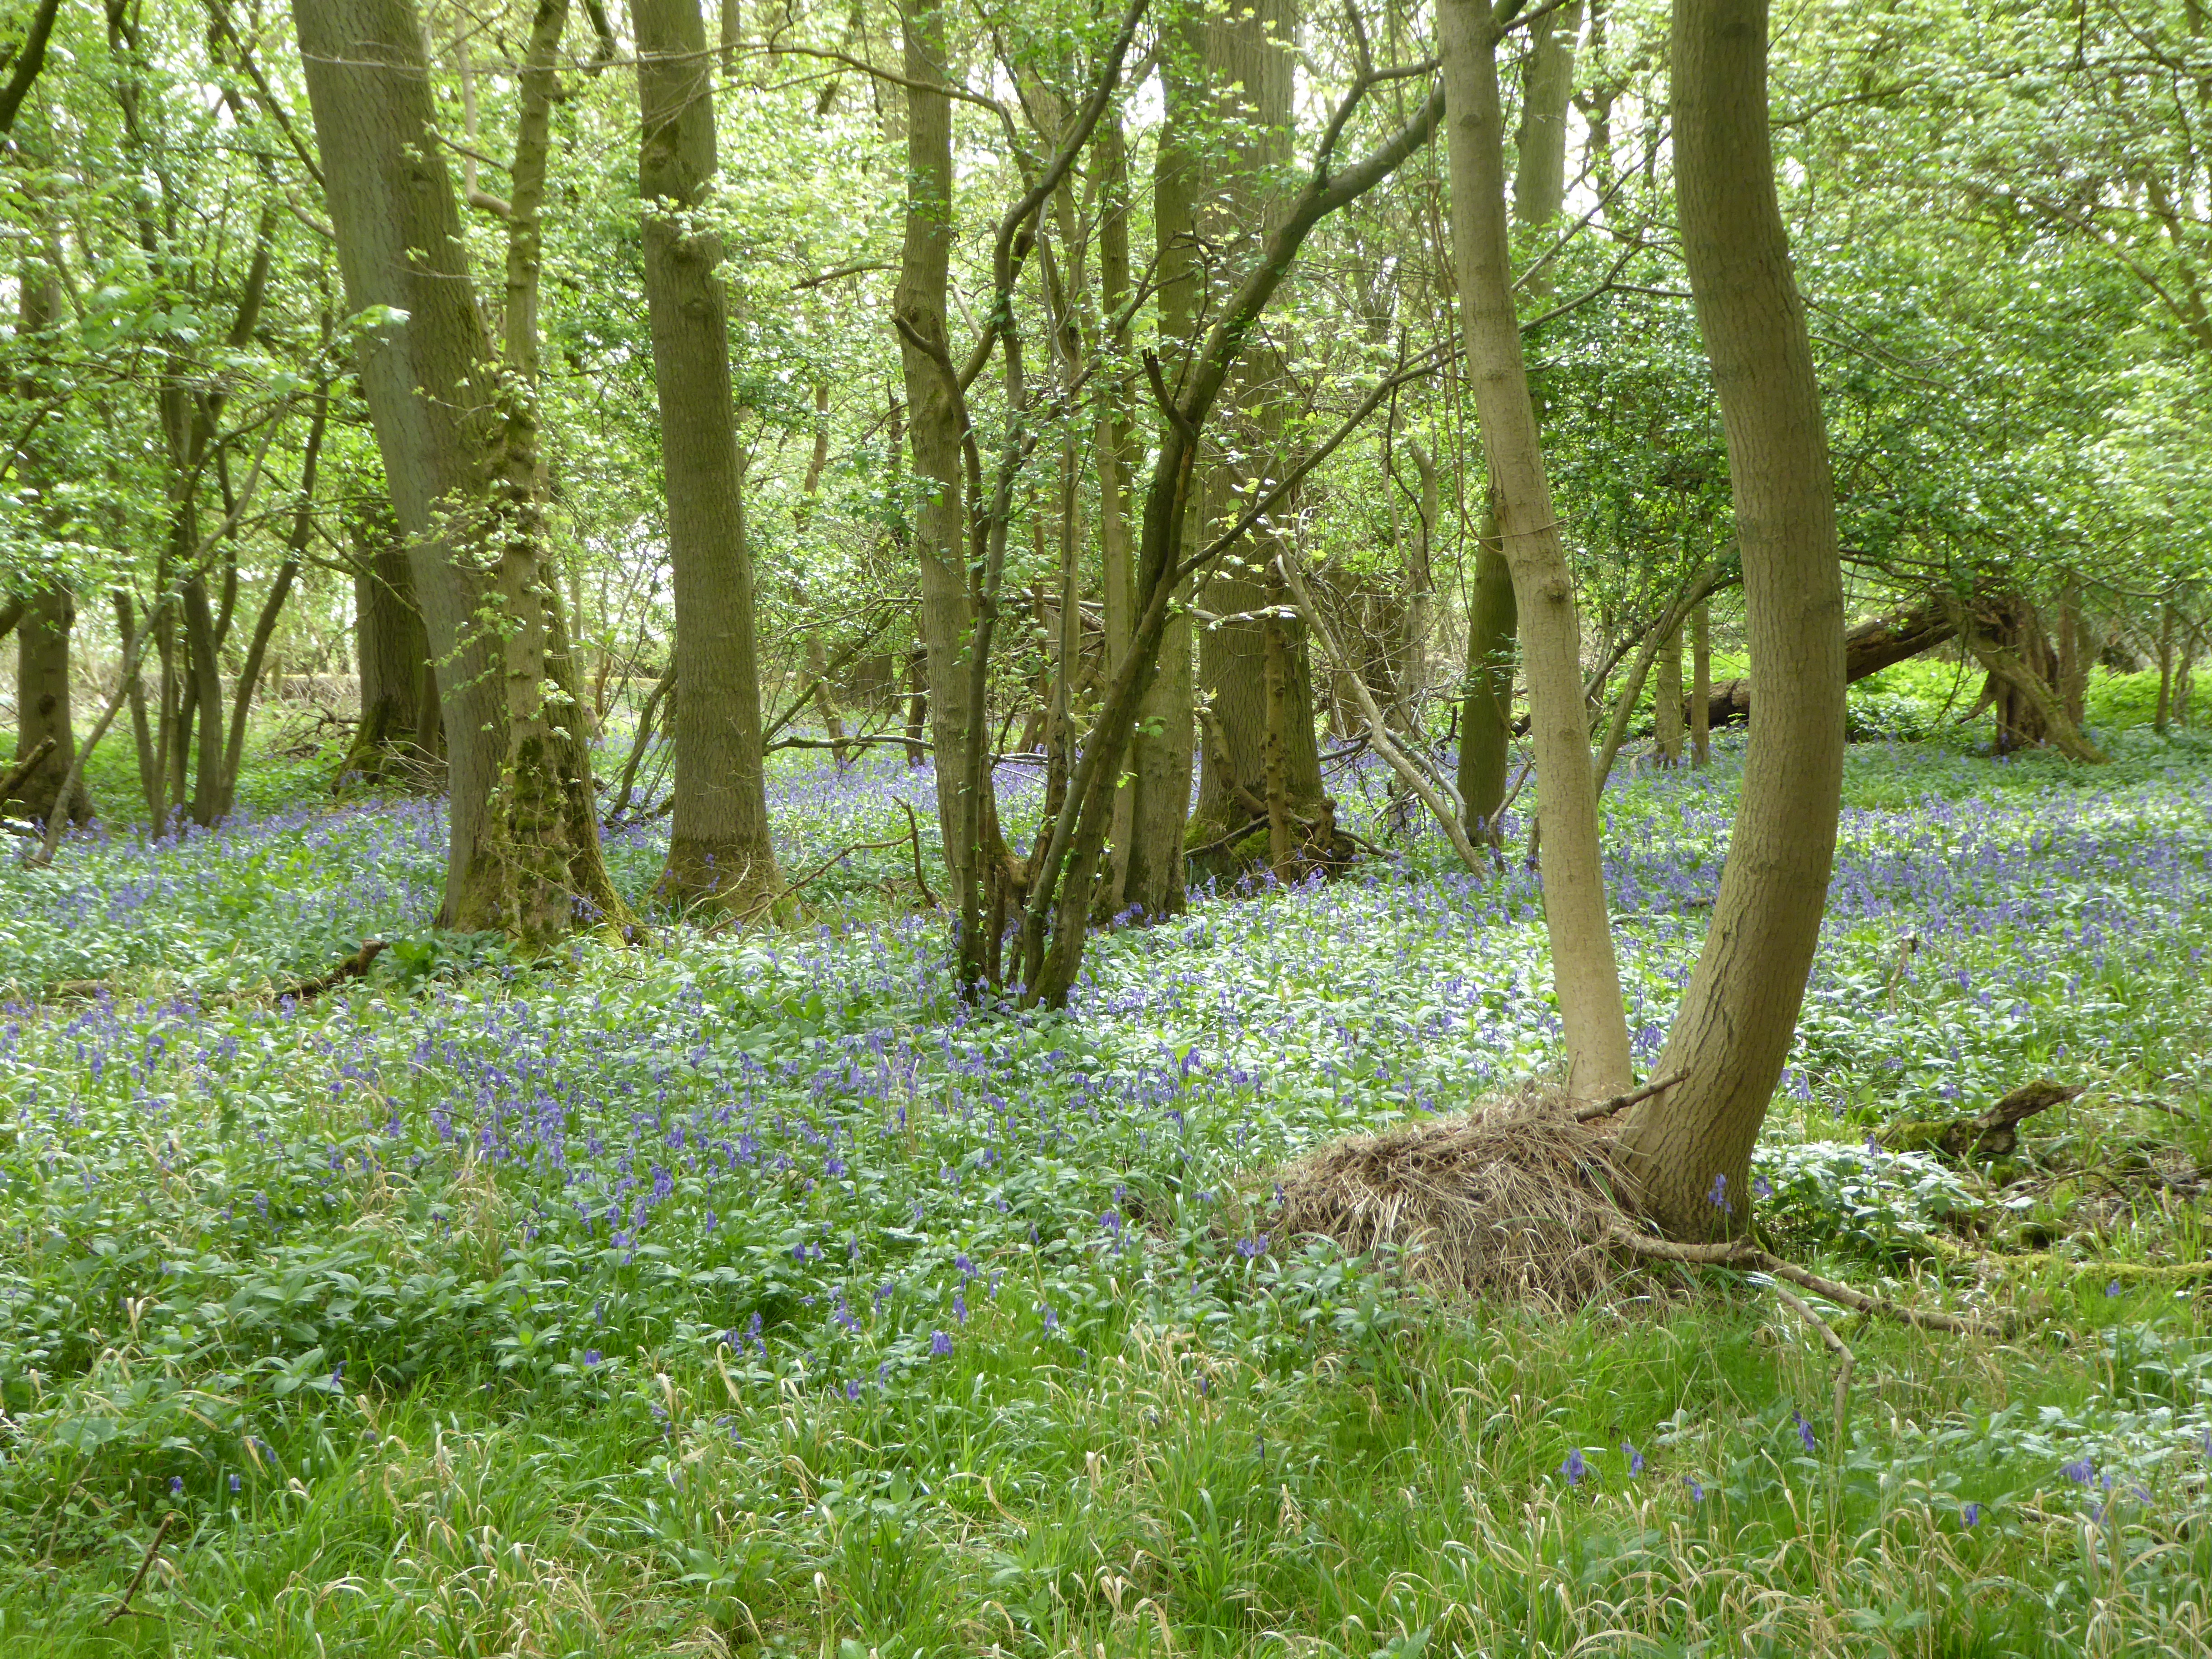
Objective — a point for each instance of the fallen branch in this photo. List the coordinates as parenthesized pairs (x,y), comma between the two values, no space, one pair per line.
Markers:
(1590,1109)
(302,990)
(23,768)
(1742,1254)
(745,917)
(139,1577)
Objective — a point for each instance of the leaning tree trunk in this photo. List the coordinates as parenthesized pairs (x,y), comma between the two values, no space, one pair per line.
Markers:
(1701,684)
(1688,1148)
(460,452)
(718,850)
(1584,972)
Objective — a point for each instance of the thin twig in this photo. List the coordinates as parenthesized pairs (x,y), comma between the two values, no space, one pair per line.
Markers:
(139,1577)
(1836,1345)
(914,829)
(745,916)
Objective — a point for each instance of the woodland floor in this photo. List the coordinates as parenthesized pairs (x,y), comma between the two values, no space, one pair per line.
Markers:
(744,1295)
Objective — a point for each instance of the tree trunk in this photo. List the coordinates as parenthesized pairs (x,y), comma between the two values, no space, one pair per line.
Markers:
(1688,1148)
(1485,715)
(2165,670)
(149,775)
(1584,972)
(1701,684)
(1666,700)
(459,452)
(42,704)
(947,613)
(1248,56)
(917,706)
(1155,872)
(391,652)
(719,849)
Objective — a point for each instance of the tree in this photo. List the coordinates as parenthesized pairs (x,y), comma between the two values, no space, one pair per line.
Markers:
(1583,965)
(719,849)
(458,434)
(1688,1148)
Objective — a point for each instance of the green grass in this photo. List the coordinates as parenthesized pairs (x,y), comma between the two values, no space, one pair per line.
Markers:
(1028,1372)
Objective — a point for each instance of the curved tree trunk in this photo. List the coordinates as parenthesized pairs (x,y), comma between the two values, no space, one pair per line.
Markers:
(1584,972)
(1688,1148)
(718,850)
(391,650)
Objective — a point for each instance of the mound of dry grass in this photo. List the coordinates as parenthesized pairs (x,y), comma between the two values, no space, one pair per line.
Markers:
(1514,1199)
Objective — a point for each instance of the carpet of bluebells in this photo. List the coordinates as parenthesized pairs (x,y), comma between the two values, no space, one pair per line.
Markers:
(749,1293)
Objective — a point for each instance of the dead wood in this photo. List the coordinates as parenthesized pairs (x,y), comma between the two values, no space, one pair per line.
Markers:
(1986,1136)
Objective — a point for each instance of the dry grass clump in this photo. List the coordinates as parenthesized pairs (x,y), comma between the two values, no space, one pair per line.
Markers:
(1514,1199)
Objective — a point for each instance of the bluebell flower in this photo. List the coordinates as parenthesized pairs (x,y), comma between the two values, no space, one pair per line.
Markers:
(1804,1431)
(592,1356)
(852,1389)
(234,1483)
(940,1343)
(1575,1467)
(1718,1197)
(1635,1458)
(2080,1471)
(1697,1491)
(1971,1515)
(176,1485)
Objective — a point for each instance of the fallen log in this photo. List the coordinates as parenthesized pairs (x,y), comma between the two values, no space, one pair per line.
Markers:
(1984,1137)
(1867,649)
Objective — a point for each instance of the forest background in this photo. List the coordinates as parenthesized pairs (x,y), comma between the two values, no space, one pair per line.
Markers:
(512,1145)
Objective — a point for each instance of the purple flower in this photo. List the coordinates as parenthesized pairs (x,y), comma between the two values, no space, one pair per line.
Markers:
(1804,1431)
(2080,1471)
(592,1356)
(233,1483)
(1635,1458)
(1762,1187)
(1250,1248)
(1575,1467)
(176,1485)
(1718,1197)
(1697,1491)
(2113,1288)
(940,1343)
(852,1389)
(1971,1515)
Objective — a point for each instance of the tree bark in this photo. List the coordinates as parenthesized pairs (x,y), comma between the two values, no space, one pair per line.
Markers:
(2165,670)
(460,452)
(1688,1149)
(718,850)
(1585,971)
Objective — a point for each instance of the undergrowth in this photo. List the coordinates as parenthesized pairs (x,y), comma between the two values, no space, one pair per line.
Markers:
(748,1294)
